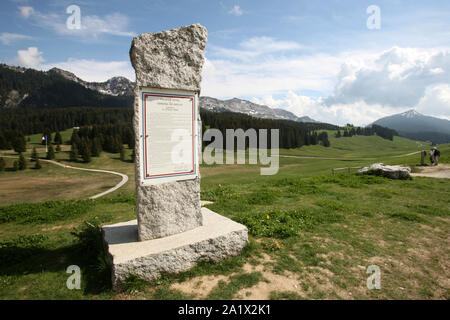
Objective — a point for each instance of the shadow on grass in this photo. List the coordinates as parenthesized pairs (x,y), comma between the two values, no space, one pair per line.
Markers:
(35,254)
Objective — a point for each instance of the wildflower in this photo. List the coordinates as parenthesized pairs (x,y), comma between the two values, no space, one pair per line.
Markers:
(268,217)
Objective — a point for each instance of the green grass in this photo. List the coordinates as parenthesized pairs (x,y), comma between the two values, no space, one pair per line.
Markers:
(360,147)
(320,230)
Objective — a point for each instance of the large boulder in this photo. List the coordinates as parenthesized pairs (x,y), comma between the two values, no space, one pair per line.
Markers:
(392,172)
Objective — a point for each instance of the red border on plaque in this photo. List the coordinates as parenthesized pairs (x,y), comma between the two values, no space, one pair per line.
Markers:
(145,134)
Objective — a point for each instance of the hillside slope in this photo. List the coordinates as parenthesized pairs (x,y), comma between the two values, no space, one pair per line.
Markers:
(360,147)
(414,125)
(29,88)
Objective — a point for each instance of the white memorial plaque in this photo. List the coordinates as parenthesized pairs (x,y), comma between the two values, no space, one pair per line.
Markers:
(169,135)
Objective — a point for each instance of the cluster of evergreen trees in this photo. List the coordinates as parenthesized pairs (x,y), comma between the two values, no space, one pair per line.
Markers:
(113,125)
(292,134)
(32,121)
(21,163)
(383,132)
(12,139)
(90,141)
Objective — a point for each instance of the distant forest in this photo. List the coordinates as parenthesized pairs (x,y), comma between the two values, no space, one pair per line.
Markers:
(109,128)
(14,124)
(293,134)
(351,131)
(36,89)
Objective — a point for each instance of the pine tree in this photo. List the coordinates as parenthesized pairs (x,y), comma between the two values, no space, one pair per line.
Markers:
(2,164)
(85,152)
(15,166)
(34,155)
(75,139)
(122,152)
(74,153)
(37,165)
(22,162)
(58,138)
(96,147)
(3,142)
(58,148)
(50,153)
(19,144)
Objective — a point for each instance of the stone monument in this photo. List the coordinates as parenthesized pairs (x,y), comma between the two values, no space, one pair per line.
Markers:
(172,231)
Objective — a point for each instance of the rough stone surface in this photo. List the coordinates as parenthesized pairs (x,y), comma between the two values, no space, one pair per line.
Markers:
(217,239)
(170,59)
(168,208)
(393,172)
(167,60)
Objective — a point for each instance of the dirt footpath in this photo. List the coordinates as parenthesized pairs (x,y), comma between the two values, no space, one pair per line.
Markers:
(440,171)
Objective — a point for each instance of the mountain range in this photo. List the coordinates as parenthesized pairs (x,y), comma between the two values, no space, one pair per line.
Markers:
(22,87)
(29,88)
(249,108)
(414,125)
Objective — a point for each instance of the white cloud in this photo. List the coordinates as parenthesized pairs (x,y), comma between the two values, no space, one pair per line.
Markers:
(236,11)
(268,74)
(30,58)
(85,69)
(254,47)
(26,12)
(92,26)
(114,24)
(356,86)
(7,38)
(436,101)
(267,44)
(399,77)
(94,70)
(355,113)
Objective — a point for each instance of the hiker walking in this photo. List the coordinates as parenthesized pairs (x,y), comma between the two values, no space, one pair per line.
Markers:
(432,156)
(436,155)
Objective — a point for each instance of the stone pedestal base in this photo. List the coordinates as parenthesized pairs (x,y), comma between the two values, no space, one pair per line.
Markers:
(218,238)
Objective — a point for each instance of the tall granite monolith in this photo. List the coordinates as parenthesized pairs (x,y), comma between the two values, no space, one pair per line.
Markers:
(167,60)
(172,231)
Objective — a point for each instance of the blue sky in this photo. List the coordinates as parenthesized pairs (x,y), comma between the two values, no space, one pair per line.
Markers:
(315,58)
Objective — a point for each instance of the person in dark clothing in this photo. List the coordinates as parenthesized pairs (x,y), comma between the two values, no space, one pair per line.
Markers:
(436,155)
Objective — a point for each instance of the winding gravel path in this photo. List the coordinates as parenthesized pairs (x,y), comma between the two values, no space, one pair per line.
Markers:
(117,186)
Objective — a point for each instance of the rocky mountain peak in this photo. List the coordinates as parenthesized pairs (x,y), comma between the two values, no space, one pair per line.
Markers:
(410,113)
(249,108)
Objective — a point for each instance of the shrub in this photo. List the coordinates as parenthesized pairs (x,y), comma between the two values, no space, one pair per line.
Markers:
(94,257)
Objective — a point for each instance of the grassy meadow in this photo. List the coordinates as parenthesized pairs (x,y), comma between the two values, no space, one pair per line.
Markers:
(312,234)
